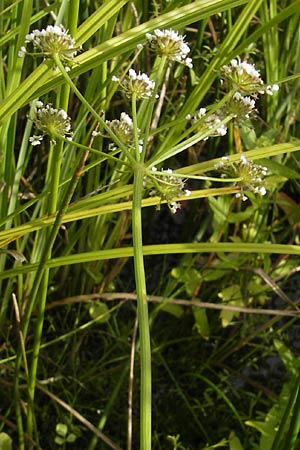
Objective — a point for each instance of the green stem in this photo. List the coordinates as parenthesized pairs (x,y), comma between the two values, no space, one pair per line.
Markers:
(91,109)
(135,127)
(160,69)
(54,175)
(42,276)
(144,331)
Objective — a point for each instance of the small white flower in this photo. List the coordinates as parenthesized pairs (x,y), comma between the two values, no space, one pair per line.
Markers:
(188,62)
(174,207)
(22,52)
(115,79)
(262,190)
(35,140)
(270,89)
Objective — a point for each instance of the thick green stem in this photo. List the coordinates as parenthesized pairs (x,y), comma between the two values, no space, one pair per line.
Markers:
(144,332)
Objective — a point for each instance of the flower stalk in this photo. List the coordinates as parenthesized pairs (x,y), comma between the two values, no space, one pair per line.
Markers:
(143,317)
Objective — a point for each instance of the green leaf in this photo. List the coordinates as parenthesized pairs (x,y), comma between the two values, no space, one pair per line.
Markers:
(61,429)
(172,308)
(15,254)
(5,441)
(230,296)
(71,437)
(279,169)
(190,277)
(291,362)
(201,322)
(268,428)
(234,442)
(59,440)
(100,312)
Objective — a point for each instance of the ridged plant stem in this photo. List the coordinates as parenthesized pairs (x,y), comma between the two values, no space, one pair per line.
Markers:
(143,318)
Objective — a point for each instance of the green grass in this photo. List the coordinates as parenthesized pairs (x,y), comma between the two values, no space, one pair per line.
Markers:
(87,250)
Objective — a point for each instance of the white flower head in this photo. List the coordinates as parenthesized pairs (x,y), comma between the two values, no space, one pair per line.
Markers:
(242,77)
(250,176)
(54,40)
(50,121)
(171,44)
(211,124)
(166,185)
(123,128)
(138,84)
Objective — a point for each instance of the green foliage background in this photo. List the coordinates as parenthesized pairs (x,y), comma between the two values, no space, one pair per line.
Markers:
(221,275)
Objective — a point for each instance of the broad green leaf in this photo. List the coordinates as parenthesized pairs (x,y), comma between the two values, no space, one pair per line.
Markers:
(234,442)
(291,362)
(269,426)
(61,429)
(5,441)
(100,312)
(279,169)
(189,276)
(201,322)
(230,296)
(172,308)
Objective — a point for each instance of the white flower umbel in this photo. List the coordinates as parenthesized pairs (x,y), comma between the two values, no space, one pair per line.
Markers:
(50,121)
(123,128)
(54,40)
(166,185)
(249,176)
(136,83)
(243,77)
(140,84)
(240,107)
(171,44)
(210,123)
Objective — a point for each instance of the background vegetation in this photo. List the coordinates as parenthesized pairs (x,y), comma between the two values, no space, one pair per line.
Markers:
(222,275)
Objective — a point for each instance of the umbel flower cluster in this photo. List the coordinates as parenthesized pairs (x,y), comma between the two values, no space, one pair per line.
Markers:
(244,82)
(138,84)
(210,124)
(50,121)
(123,129)
(167,186)
(171,44)
(249,176)
(242,77)
(50,42)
